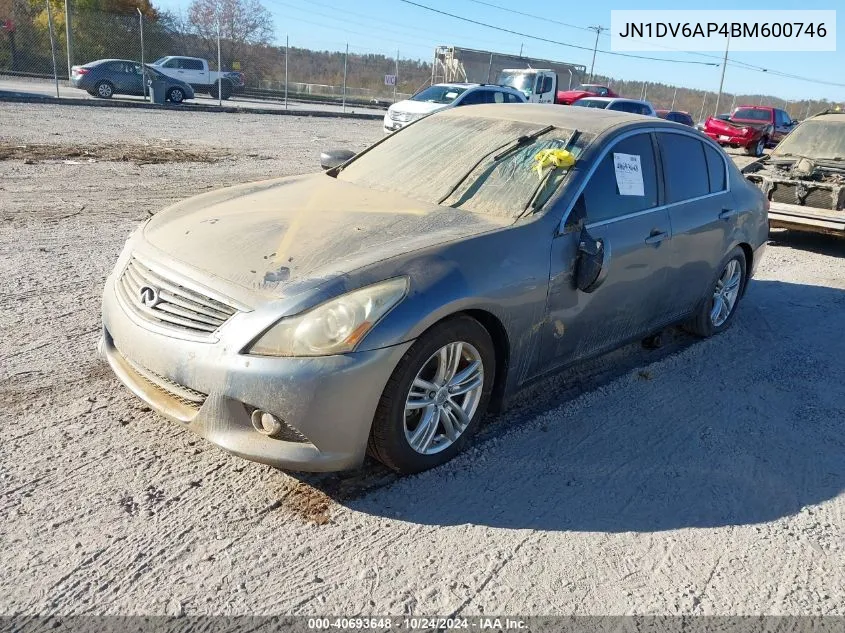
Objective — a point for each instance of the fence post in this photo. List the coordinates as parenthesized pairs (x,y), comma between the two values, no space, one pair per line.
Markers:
(69,38)
(287,43)
(396,77)
(674,94)
(345,61)
(52,45)
(219,65)
(143,67)
(490,68)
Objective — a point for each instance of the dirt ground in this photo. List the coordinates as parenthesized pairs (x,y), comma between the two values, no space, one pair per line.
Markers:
(703,478)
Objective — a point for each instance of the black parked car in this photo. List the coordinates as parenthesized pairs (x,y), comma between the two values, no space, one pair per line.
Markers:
(677,116)
(106,77)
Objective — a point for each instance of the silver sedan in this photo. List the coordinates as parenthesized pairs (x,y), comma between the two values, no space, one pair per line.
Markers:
(386,304)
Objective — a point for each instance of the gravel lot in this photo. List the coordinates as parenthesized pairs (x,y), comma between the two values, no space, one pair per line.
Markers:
(704,478)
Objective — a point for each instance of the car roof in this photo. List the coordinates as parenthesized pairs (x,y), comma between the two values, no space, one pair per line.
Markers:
(104,61)
(592,120)
(838,117)
(615,100)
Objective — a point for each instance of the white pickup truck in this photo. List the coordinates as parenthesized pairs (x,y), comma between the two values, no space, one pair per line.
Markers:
(194,71)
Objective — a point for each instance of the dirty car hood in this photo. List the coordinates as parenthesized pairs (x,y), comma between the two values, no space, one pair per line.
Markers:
(265,236)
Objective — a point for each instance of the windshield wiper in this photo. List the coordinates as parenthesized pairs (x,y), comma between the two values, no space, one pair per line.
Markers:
(522,140)
(503,151)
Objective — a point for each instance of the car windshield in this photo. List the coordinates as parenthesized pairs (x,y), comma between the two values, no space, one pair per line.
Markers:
(817,139)
(523,83)
(591,103)
(439,94)
(411,163)
(752,114)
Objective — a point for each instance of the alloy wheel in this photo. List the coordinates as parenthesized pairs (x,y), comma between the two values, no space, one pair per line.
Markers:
(725,293)
(443,398)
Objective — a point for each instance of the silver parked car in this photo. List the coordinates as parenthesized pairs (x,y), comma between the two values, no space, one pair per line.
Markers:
(384,305)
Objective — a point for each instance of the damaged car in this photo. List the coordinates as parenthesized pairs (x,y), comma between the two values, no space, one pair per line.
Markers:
(384,305)
(804,177)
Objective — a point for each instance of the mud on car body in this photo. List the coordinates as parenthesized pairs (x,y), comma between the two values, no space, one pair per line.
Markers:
(382,306)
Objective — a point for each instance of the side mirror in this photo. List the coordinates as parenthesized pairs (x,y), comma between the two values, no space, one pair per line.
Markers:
(591,262)
(335,157)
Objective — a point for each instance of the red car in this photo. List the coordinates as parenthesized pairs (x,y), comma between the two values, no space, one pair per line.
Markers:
(751,127)
(566,97)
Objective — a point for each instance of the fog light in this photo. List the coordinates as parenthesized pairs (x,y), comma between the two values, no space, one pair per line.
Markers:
(266,423)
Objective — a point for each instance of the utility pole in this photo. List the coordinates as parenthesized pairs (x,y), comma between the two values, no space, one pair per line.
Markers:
(143,67)
(674,94)
(722,81)
(68,38)
(520,49)
(703,101)
(598,29)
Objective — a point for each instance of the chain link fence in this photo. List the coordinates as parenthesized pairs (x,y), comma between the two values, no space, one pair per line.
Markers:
(34,46)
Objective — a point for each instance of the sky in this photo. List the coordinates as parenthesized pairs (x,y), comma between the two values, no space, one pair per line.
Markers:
(385,26)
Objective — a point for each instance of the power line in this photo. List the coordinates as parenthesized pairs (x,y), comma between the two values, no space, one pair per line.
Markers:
(731,62)
(530,15)
(549,41)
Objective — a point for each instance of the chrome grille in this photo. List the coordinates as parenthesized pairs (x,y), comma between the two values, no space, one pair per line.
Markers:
(167,303)
(185,396)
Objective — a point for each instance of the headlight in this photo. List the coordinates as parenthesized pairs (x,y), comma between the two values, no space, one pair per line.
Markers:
(334,327)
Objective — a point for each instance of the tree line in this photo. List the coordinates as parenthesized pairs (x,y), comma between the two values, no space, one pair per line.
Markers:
(111,29)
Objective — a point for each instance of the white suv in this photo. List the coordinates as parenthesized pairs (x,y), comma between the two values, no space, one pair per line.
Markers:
(442,96)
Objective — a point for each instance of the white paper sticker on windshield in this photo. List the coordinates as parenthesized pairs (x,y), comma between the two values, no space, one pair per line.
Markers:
(629,174)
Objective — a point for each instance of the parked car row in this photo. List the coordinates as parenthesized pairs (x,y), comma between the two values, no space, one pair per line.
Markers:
(183,77)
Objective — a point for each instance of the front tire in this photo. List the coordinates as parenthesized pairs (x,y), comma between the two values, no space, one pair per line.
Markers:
(719,306)
(434,400)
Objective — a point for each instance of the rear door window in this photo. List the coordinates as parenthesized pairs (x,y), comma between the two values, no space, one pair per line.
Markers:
(715,168)
(684,167)
(475,97)
(191,64)
(604,199)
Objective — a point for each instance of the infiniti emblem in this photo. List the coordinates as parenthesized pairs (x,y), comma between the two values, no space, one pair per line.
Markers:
(149,296)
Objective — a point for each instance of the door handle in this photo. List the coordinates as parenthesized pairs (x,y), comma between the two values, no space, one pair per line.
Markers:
(656,237)
(727,214)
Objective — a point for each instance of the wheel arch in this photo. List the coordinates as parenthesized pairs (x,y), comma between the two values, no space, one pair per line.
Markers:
(501,344)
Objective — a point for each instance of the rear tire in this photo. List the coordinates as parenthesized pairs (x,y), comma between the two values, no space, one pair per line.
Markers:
(723,296)
(399,437)
(758,148)
(226,88)
(104,89)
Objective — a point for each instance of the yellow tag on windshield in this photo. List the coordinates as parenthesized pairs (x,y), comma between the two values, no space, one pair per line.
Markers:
(547,159)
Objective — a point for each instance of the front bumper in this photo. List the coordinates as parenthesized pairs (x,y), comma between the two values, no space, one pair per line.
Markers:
(211,389)
(809,219)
